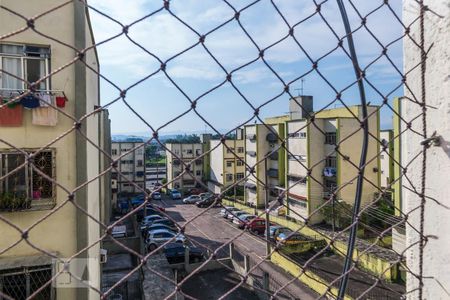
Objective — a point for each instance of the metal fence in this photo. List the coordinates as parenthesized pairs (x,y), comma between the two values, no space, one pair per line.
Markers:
(28,177)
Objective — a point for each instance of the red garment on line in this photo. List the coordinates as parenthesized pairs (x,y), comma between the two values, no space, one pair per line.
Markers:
(11,117)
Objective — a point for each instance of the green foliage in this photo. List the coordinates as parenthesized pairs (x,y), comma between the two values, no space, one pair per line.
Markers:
(184,139)
(13,201)
(341,214)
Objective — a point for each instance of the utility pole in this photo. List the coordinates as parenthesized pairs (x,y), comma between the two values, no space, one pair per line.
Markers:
(266,205)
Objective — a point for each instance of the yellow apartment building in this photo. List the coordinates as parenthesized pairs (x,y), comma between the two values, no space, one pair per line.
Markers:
(227,163)
(54,227)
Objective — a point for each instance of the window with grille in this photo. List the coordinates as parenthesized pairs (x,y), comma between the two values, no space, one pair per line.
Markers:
(239,163)
(230,150)
(229,177)
(330,138)
(229,164)
(114,151)
(239,176)
(240,149)
(330,162)
(27,186)
(140,163)
(21,283)
(198,173)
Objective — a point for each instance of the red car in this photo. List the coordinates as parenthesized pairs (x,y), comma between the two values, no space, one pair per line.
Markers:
(256,225)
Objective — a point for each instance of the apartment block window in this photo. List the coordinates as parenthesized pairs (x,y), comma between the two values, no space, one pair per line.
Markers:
(239,163)
(28,63)
(189,151)
(229,177)
(198,173)
(229,163)
(239,176)
(330,162)
(330,138)
(176,151)
(140,163)
(127,162)
(114,151)
(240,149)
(198,152)
(27,186)
(21,283)
(124,150)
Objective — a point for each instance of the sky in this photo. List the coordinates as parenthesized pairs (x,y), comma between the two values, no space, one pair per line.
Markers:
(130,63)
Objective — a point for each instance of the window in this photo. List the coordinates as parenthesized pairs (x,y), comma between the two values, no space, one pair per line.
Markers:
(140,163)
(29,63)
(330,138)
(22,282)
(229,177)
(230,150)
(127,162)
(239,163)
(198,152)
(330,162)
(229,163)
(124,150)
(239,176)
(176,151)
(114,151)
(240,150)
(189,151)
(19,189)
(198,173)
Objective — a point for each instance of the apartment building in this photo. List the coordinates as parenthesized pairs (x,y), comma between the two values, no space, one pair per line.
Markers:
(227,163)
(28,199)
(184,154)
(155,173)
(314,168)
(263,151)
(130,169)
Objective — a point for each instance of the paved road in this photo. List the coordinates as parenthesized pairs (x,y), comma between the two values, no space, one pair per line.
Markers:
(212,231)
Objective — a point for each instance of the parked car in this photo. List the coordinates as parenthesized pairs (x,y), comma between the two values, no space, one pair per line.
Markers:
(280,230)
(175,253)
(228,211)
(135,202)
(174,194)
(275,229)
(235,215)
(191,199)
(158,226)
(206,195)
(148,220)
(156,196)
(206,202)
(256,225)
(244,219)
(150,209)
(119,231)
(159,237)
(163,221)
(225,211)
(289,238)
(194,191)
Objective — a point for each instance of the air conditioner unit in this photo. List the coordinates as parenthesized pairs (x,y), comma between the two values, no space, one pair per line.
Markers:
(113,183)
(103,256)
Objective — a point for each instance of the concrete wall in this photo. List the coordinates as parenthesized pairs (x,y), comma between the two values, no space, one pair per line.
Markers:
(216,155)
(386,163)
(437,83)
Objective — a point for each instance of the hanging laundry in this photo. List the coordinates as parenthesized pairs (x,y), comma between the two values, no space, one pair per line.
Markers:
(329,172)
(61,101)
(11,117)
(29,101)
(44,116)
(44,99)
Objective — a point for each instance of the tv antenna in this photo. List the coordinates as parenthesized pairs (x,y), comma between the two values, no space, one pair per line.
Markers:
(301,90)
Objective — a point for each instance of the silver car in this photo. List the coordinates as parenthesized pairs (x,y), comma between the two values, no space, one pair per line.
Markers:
(158,237)
(227,211)
(192,199)
(235,215)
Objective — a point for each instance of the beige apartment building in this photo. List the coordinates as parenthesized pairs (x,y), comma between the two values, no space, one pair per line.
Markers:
(129,176)
(227,163)
(313,147)
(56,228)
(178,156)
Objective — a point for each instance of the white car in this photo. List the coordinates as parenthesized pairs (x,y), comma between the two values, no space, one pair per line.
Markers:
(245,218)
(156,196)
(227,211)
(158,237)
(236,215)
(192,199)
(150,219)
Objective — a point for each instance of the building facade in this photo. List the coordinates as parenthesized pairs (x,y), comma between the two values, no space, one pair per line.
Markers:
(178,156)
(129,176)
(28,196)
(154,174)
(227,164)
(315,170)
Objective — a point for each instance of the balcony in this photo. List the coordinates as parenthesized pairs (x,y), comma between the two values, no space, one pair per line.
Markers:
(273,155)
(251,153)
(297,178)
(272,137)
(272,173)
(251,136)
